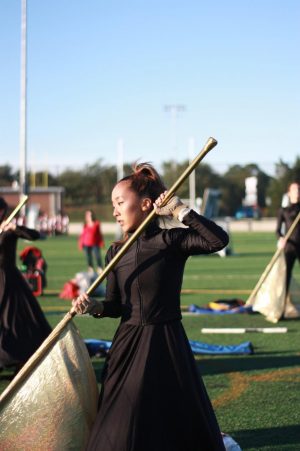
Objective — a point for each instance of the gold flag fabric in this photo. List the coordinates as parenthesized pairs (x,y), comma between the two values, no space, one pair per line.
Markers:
(271,299)
(54,408)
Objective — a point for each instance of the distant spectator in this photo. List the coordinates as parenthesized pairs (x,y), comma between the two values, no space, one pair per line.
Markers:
(65,223)
(43,224)
(53,225)
(91,240)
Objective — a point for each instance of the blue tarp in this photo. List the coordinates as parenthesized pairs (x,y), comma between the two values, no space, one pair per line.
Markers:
(204,348)
(97,346)
(102,346)
(208,311)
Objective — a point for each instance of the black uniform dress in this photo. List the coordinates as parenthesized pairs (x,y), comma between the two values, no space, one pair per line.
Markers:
(23,326)
(287,216)
(152,397)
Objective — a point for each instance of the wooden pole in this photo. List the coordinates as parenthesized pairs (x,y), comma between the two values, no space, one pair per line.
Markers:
(15,211)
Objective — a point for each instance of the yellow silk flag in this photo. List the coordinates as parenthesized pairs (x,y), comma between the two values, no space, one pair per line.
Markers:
(271,299)
(54,406)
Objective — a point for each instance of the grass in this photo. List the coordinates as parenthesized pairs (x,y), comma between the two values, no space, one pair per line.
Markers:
(257,397)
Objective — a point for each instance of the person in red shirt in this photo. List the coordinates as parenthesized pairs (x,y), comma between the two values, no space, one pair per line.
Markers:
(91,240)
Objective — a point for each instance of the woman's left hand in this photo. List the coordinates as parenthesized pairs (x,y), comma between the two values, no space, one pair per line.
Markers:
(172,208)
(84,304)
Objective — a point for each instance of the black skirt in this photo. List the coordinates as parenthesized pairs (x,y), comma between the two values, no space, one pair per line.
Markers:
(23,324)
(152,397)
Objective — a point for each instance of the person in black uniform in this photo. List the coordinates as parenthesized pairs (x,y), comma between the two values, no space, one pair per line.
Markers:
(23,326)
(152,397)
(286,217)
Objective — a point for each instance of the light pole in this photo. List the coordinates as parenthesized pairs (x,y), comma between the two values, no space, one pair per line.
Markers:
(174,109)
(120,159)
(23,101)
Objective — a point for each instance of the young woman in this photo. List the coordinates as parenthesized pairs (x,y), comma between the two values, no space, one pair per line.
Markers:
(152,396)
(286,216)
(23,326)
(91,240)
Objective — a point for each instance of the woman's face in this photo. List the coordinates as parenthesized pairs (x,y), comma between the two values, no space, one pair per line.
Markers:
(129,209)
(294,193)
(88,216)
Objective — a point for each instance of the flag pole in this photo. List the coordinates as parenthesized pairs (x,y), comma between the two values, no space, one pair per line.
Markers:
(15,211)
(271,263)
(45,346)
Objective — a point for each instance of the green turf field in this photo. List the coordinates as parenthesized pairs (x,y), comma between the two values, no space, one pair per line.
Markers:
(257,397)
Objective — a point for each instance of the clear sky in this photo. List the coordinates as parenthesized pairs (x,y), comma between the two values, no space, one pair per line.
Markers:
(102,70)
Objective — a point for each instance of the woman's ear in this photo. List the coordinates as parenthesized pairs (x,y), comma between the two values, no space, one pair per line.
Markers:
(146,204)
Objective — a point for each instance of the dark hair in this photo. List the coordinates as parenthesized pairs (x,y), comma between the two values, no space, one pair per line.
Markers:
(93,215)
(145,181)
(3,204)
(4,207)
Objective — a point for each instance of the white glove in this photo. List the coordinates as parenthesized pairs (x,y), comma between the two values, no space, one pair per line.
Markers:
(84,304)
(172,208)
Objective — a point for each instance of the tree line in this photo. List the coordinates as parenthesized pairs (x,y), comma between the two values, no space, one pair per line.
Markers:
(93,183)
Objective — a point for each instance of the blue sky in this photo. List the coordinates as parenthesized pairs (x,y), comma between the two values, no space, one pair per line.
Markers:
(102,70)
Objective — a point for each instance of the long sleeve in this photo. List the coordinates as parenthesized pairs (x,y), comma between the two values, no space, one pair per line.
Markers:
(280,221)
(81,239)
(112,304)
(202,236)
(91,236)
(8,243)
(286,216)
(26,233)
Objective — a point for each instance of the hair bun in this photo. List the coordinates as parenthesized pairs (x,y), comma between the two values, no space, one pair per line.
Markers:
(146,169)
(145,181)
